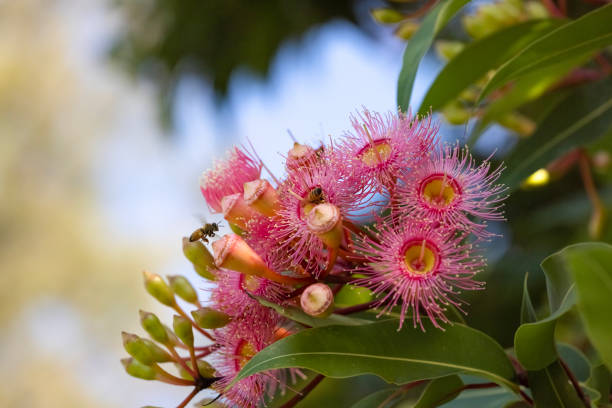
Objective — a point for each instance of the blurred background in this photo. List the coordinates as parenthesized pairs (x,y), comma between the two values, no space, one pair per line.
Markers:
(110,110)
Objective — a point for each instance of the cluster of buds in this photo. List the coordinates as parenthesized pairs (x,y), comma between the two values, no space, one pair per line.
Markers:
(297,242)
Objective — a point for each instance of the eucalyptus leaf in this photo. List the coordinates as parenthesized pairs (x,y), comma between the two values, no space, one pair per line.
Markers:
(484,398)
(581,118)
(551,388)
(439,391)
(396,356)
(600,380)
(582,36)
(419,44)
(376,399)
(576,361)
(479,57)
(591,268)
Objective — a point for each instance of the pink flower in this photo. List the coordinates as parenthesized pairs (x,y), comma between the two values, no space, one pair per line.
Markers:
(380,148)
(324,181)
(420,267)
(238,343)
(228,177)
(230,295)
(451,189)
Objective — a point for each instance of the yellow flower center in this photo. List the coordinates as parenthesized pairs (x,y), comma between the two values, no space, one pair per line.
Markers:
(244,352)
(375,153)
(249,283)
(440,190)
(420,258)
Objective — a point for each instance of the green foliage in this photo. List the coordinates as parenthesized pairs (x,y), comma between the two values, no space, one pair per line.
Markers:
(396,356)
(420,43)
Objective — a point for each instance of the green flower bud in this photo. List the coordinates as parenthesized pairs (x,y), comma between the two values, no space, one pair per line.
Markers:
(157,288)
(154,327)
(236,229)
(406,30)
(173,340)
(455,113)
(184,374)
(208,318)
(386,15)
(159,354)
(138,370)
(183,330)
(181,286)
(137,349)
(201,258)
(205,369)
(447,50)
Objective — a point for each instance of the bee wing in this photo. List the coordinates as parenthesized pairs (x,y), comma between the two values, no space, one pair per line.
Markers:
(201,218)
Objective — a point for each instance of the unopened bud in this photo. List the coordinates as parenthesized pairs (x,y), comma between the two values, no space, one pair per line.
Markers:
(208,318)
(205,369)
(260,195)
(144,350)
(317,300)
(299,155)
(201,258)
(406,30)
(519,123)
(181,286)
(447,50)
(325,221)
(154,327)
(455,113)
(138,370)
(237,211)
(386,15)
(157,288)
(232,252)
(183,330)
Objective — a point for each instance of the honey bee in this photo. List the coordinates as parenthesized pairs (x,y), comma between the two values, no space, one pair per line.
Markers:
(207,230)
(315,196)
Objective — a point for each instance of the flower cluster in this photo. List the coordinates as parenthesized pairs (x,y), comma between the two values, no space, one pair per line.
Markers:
(297,240)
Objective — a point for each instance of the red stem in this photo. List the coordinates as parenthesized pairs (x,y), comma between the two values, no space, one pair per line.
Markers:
(552,8)
(304,392)
(192,394)
(574,382)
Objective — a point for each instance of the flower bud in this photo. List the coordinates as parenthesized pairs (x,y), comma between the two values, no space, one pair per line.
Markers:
(317,300)
(157,288)
(325,221)
(205,369)
(447,50)
(208,318)
(232,252)
(143,350)
(261,196)
(154,327)
(201,258)
(299,155)
(386,15)
(138,370)
(237,211)
(181,286)
(183,330)
(406,30)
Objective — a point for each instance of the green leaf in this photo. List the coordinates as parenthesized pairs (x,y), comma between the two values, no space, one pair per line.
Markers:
(525,89)
(584,35)
(581,118)
(551,388)
(591,268)
(420,43)
(600,380)
(485,398)
(299,316)
(396,356)
(576,361)
(479,57)
(375,399)
(439,391)
(534,341)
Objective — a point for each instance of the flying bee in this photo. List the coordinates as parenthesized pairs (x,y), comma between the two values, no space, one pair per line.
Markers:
(315,196)
(207,230)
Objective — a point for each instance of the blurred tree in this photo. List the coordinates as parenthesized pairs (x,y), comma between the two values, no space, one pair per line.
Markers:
(212,39)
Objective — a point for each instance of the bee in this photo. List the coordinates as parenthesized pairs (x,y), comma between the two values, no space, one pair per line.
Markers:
(207,230)
(315,196)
